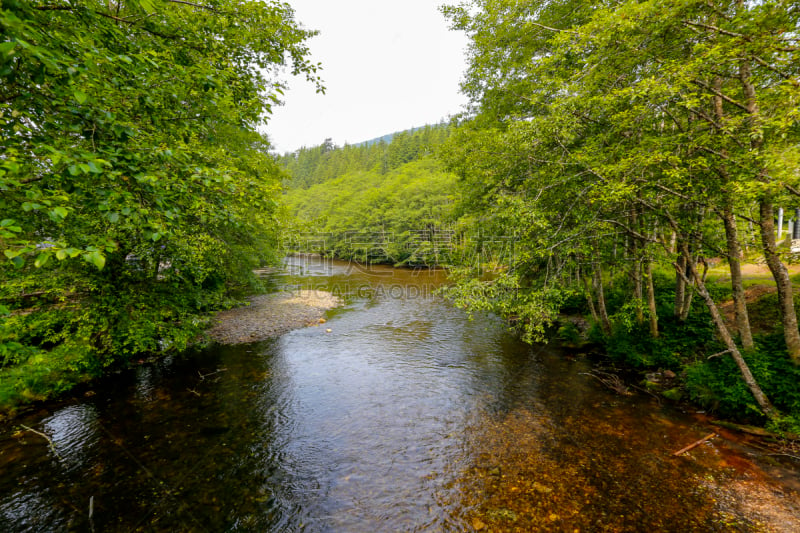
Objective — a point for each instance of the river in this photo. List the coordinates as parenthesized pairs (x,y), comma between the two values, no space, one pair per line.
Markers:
(398,414)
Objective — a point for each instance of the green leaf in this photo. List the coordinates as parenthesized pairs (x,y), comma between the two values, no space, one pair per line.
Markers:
(7,48)
(80,96)
(61,212)
(61,255)
(95,258)
(147,5)
(10,225)
(41,260)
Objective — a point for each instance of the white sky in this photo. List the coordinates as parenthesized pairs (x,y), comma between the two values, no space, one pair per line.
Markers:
(388,65)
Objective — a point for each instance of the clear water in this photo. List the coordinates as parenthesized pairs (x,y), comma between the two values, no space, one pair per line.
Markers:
(406,416)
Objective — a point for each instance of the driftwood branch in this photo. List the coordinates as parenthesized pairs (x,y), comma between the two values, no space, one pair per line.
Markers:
(612,381)
(45,437)
(204,376)
(695,444)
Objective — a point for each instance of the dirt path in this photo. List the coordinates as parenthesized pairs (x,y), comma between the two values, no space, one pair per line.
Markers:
(271,315)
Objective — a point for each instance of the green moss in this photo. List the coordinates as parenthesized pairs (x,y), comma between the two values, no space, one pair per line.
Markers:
(674,394)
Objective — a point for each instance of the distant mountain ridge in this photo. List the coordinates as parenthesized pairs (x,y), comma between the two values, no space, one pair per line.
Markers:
(388,137)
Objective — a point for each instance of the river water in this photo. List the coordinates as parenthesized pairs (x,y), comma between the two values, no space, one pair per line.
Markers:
(398,414)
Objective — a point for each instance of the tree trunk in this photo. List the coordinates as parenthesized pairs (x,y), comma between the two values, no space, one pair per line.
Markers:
(589,298)
(784,284)
(680,288)
(686,306)
(605,323)
(637,290)
(767,224)
(636,248)
(734,255)
(732,238)
(651,301)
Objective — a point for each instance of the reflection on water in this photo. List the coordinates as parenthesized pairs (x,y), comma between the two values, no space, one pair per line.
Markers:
(406,416)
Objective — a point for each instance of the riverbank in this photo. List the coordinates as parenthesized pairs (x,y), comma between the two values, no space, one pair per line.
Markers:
(265,316)
(271,315)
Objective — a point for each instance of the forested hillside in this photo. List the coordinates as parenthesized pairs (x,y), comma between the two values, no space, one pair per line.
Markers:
(381,202)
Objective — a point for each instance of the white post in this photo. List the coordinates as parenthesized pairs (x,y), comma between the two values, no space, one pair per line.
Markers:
(780,222)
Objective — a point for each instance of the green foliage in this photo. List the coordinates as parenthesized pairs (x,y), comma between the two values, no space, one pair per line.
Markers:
(617,136)
(400,217)
(135,189)
(319,164)
(715,383)
(568,333)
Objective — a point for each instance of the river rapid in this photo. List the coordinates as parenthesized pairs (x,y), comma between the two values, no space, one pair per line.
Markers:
(397,414)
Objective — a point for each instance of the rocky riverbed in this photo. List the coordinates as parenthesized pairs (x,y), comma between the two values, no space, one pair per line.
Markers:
(270,315)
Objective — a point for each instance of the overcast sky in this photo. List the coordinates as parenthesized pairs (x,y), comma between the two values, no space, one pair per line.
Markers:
(388,65)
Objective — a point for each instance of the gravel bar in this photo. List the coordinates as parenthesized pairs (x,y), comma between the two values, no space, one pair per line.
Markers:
(271,315)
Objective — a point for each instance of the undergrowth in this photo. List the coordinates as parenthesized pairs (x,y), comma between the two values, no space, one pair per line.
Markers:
(708,377)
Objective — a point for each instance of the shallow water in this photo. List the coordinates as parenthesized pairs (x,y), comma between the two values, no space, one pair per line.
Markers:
(405,416)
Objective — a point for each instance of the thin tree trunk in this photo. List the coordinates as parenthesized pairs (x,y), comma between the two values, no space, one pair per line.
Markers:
(734,255)
(784,284)
(636,267)
(727,339)
(638,291)
(605,323)
(688,295)
(651,300)
(692,243)
(589,298)
(767,224)
(680,288)
(732,238)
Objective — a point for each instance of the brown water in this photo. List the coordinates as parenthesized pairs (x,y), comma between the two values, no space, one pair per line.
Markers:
(406,416)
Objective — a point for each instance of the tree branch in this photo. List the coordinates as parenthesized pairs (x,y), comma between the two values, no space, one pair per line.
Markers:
(721,95)
(199,6)
(783,75)
(716,29)
(630,231)
(548,28)
(791,189)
